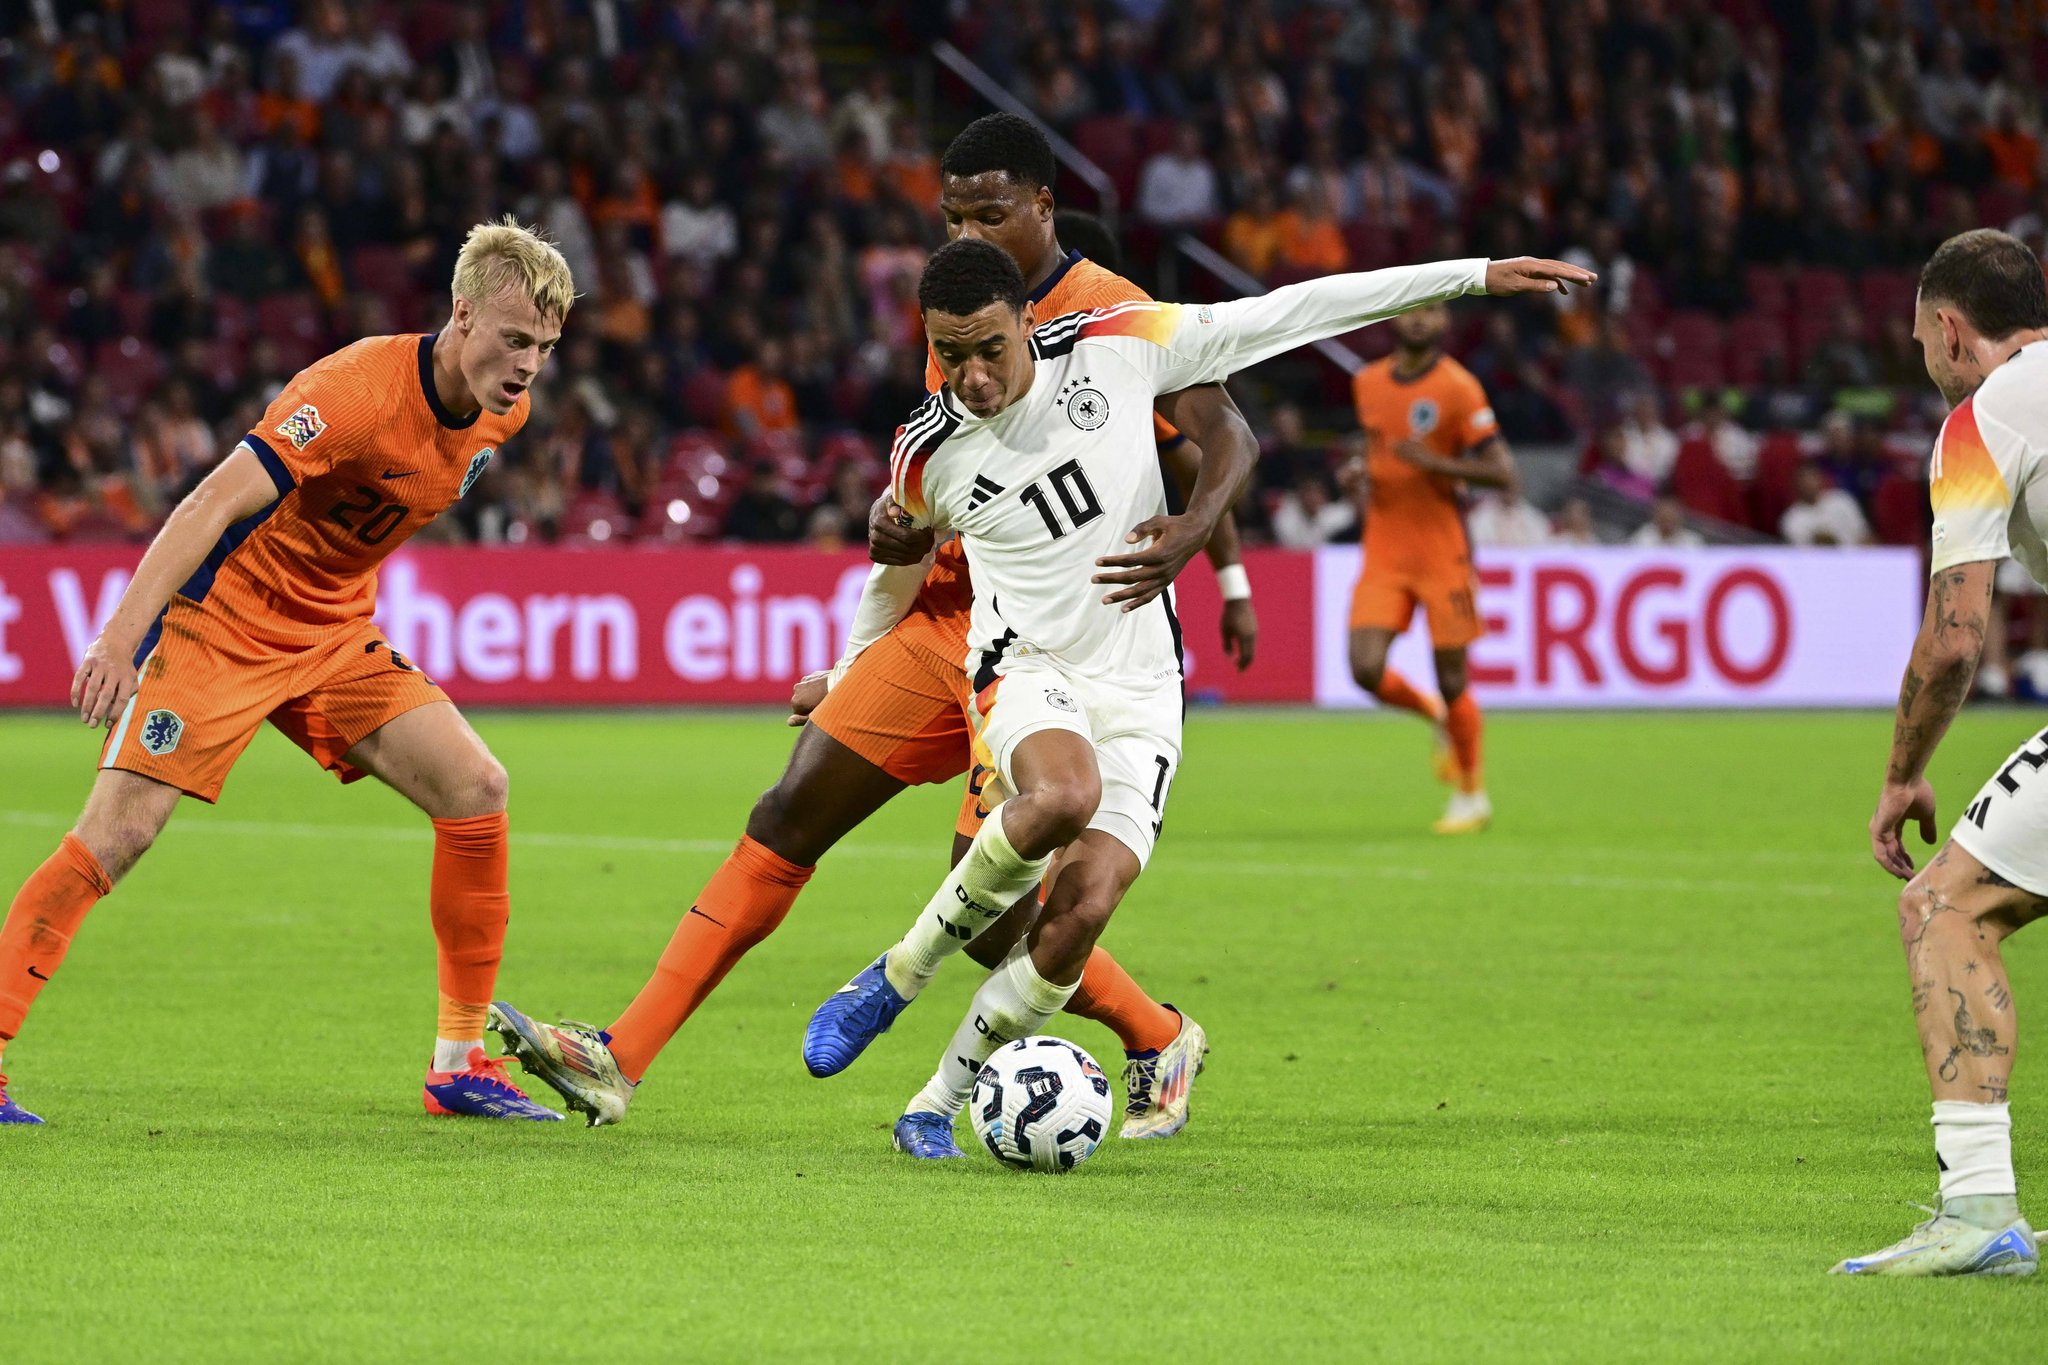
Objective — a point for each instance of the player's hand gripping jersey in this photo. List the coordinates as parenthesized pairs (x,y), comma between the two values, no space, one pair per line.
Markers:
(276,622)
(1055,481)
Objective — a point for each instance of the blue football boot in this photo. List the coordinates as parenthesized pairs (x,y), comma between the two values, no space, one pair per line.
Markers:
(851,1017)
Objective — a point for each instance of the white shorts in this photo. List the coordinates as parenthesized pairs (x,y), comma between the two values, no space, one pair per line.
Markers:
(2005,827)
(1135,731)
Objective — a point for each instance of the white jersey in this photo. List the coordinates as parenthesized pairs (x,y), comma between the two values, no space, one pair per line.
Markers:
(1055,481)
(1989,479)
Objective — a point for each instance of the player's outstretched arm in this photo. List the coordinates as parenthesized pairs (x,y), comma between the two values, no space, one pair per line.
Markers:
(1489,465)
(1142,575)
(239,487)
(1937,681)
(1183,460)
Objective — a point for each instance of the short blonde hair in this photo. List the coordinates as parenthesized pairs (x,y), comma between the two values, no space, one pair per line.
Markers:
(507,253)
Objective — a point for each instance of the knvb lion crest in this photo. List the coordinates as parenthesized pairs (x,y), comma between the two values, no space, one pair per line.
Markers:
(477,462)
(161,731)
(302,426)
(1422,415)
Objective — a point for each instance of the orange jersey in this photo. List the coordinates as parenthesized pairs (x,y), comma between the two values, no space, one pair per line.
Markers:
(938,620)
(1414,521)
(363,455)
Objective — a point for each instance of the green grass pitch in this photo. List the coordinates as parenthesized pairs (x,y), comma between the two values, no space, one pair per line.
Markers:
(1617,1080)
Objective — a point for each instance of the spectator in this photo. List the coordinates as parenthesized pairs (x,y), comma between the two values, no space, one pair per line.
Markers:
(1307,515)
(1842,360)
(1251,235)
(762,512)
(1177,188)
(1309,239)
(1503,517)
(1823,514)
(869,109)
(320,49)
(698,226)
(318,263)
(1732,445)
(758,398)
(1648,447)
(1666,528)
(1606,374)
(1712,277)
(1574,524)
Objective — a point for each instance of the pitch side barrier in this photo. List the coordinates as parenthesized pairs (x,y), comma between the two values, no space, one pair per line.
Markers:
(1567,627)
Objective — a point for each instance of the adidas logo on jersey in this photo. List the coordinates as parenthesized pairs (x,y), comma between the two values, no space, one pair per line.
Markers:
(302,426)
(984,489)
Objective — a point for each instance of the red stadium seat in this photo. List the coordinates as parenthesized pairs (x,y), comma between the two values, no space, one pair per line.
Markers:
(1752,341)
(704,395)
(1818,291)
(1371,246)
(1886,294)
(1769,295)
(133,306)
(848,447)
(1111,142)
(296,316)
(1898,511)
(1703,483)
(1697,349)
(130,366)
(382,270)
(1776,482)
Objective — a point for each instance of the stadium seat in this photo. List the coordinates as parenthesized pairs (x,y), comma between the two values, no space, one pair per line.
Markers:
(1898,511)
(1817,291)
(848,447)
(133,305)
(1111,142)
(1769,295)
(130,366)
(1703,484)
(1371,246)
(595,517)
(704,395)
(296,316)
(1696,351)
(1753,340)
(1777,477)
(19,525)
(1885,294)
(382,270)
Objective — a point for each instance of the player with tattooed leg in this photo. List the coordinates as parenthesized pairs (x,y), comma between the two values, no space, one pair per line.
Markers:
(1038,453)
(1982,321)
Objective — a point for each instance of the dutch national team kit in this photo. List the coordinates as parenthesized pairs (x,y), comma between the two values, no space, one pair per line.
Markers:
(1042,490)
(1989,487)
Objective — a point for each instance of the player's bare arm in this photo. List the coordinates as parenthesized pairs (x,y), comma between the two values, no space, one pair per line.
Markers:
(1240,625)
(1139,577)
(238,487)
(1488,464)
(1937,681)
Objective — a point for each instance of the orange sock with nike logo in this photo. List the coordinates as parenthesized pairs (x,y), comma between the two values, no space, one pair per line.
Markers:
(470,901)
(1465,726)
(1395,690)
(1109,996)
(46,913)
(741,905)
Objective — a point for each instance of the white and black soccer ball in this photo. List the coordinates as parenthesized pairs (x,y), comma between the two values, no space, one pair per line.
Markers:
(1040,1104)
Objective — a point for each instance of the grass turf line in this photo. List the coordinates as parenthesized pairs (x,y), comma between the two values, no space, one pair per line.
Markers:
(1618,1079)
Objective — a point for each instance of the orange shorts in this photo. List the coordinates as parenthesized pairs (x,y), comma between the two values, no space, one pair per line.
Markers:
(903,708)
(216,676)
(1387,601)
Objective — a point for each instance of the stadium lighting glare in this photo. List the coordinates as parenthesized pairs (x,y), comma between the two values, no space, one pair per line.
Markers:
(678,511)
(600,530)
(50,162)
(707,486)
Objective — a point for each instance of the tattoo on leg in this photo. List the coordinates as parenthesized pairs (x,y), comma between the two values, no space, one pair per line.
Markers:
(1970,968)
(1990,878)
(1994,1086)
(1999,996)
(1978,1042)
(1923,994)
(1947,1070)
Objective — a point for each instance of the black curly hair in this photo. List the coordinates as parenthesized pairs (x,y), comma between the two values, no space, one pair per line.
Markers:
(1001,142)
(966,276)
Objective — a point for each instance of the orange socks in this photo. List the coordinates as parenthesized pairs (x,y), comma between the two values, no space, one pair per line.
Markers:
(470,903)
(1109,997)
(46,913)
(744,901)
(1464,724)
(1396,690)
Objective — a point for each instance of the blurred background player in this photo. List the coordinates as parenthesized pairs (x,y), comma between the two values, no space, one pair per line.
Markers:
(1982,323)
(254,604)
(893,713)
(1429,431)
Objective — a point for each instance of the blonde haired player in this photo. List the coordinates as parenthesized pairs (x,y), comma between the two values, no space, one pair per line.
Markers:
(254,603)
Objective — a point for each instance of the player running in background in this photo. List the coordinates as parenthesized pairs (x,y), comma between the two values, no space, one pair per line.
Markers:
(893,714)
(1034,453)
(254,603)
(1982,322)
(1429,430)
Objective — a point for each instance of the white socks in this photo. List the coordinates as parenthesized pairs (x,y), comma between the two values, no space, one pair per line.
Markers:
(987,882)
(1973,1143)
(452,1054)
(1015,1002)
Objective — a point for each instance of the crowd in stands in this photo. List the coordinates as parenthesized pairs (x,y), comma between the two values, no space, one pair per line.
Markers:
(198,198)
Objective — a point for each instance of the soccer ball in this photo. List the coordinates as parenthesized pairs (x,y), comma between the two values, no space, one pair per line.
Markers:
(1040,1104)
